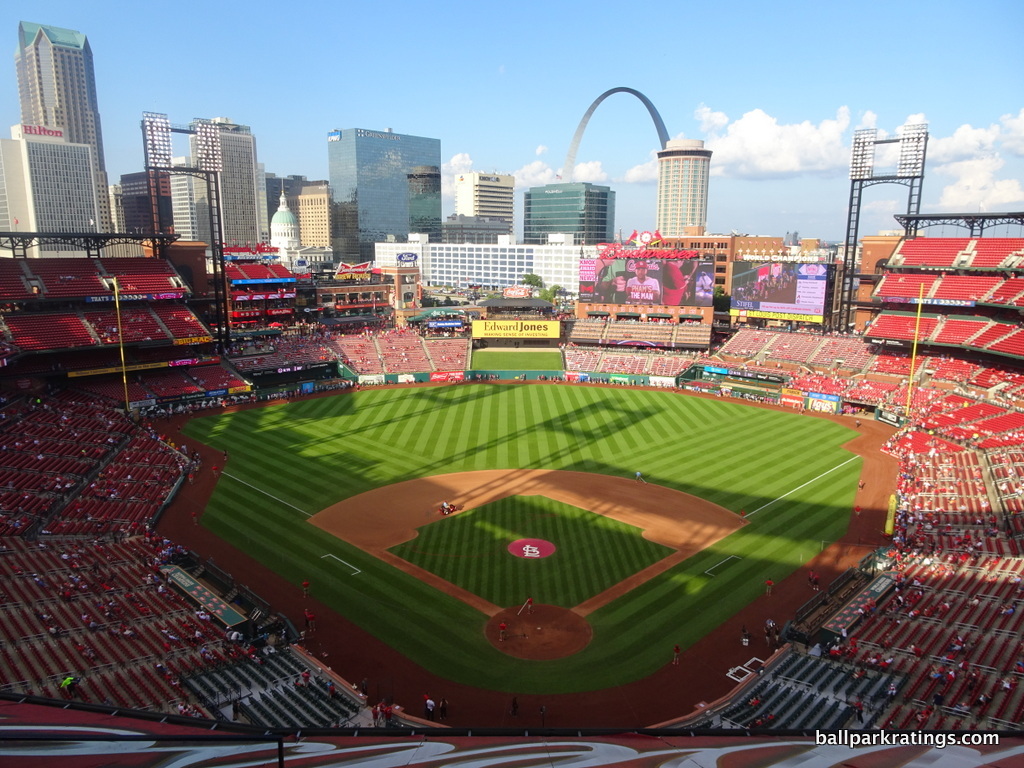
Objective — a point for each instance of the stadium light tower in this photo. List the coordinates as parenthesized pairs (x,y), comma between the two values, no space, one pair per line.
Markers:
(156,139)
(913,141)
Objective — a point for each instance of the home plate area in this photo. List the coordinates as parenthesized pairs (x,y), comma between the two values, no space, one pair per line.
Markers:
(549,632)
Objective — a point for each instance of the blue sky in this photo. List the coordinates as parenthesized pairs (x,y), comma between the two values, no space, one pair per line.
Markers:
(774,89)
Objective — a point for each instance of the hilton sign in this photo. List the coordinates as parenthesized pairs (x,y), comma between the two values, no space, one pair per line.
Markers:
(40,130)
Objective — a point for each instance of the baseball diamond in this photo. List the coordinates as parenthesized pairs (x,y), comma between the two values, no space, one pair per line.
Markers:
(356,475)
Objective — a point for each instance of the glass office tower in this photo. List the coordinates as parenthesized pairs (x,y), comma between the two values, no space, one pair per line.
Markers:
(381,189)
(581,209)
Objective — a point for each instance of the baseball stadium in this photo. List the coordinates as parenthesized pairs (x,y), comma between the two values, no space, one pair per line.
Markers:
(514,532)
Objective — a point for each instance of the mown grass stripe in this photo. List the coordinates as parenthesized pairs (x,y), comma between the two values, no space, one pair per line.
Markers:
(318,452)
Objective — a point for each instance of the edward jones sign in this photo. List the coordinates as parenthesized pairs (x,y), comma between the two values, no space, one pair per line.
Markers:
(516,329)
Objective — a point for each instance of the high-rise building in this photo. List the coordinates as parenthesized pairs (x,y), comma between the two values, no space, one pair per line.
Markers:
(137,204)
(384,185)
(185,213)
(425,201)
(291,185)
(458,228)
(57,89)
(684,167)
(47,183)
(242,190)
(489,195)
(313,206)
(117,225)
(583,210)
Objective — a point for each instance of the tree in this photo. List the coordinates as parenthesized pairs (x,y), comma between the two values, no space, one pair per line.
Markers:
(720,301)
(550,294)
(532,280)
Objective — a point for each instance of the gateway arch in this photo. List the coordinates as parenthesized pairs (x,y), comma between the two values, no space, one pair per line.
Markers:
(570,159)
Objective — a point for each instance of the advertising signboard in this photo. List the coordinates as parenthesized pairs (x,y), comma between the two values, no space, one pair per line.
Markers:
(780,290)
(516,329)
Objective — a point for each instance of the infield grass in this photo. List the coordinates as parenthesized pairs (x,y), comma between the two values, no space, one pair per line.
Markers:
(290,461)
(593,553)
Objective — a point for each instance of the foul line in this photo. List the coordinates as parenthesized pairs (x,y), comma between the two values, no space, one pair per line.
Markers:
(708,572)
(356,570)
(787,493)
(282,501)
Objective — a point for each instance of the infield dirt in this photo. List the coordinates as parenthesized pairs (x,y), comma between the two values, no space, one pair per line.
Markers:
(379,519)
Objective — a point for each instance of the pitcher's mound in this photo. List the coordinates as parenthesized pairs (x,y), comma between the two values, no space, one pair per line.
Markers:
(550,632)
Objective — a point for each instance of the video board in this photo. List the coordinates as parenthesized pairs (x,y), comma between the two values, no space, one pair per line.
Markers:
(780,290)
(647,281)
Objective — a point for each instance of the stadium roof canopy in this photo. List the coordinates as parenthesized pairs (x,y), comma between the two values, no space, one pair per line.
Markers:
(429,314)
(976,223)
(349,319)
(516,304)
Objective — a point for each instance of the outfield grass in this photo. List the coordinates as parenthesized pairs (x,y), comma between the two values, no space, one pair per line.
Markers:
(516,359)
(290,461)
(593,552)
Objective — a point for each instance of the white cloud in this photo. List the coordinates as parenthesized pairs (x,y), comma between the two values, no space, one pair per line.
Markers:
(534,174)
(541,149)
(538,173)
(501,69)
(460,163)
(965,143)
(975,186)
(868,120)
(915,119)
(1013,133)
(645,173)
(590,171)
(757,146)
(710,122)
(885,207)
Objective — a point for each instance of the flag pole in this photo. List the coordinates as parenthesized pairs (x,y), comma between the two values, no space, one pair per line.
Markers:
(913,348)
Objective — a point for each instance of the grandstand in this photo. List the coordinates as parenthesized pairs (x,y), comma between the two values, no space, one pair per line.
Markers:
(973,282)
(943,633)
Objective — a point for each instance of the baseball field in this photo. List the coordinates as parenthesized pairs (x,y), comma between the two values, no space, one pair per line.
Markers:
(344,491)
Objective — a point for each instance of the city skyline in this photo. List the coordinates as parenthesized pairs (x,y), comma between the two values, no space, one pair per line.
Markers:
(772,96)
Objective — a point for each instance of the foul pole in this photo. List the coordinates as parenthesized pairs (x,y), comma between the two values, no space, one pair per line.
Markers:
(913,348)
(120,345)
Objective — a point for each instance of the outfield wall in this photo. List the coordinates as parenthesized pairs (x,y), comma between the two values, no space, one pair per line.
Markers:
(452,377)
